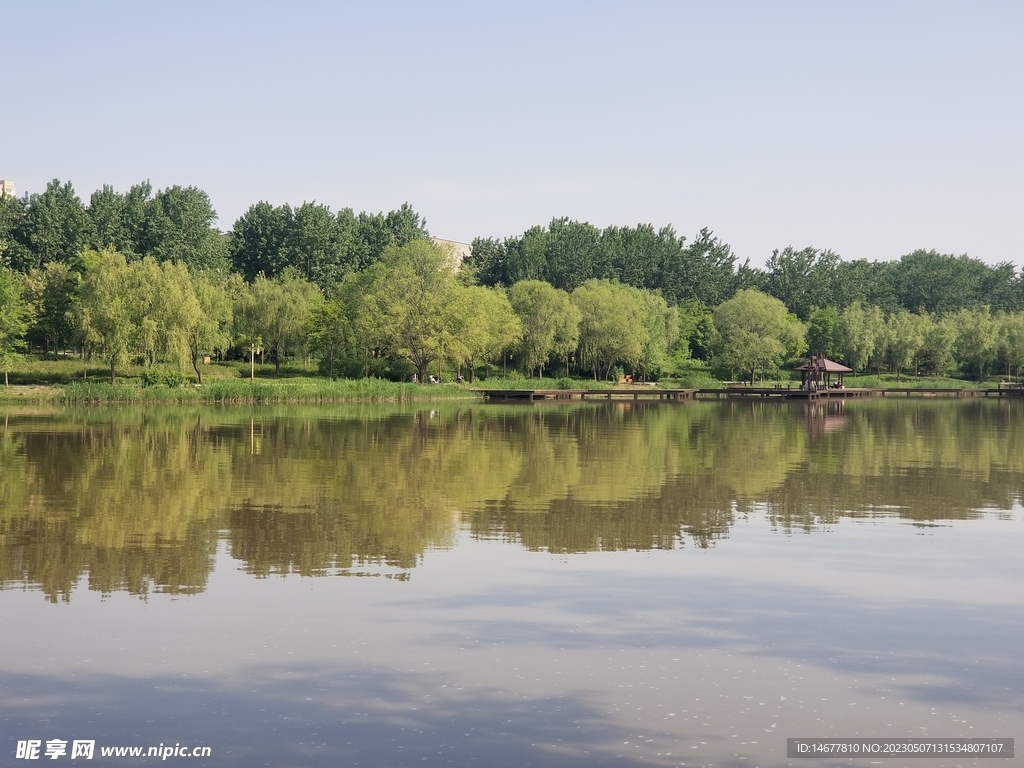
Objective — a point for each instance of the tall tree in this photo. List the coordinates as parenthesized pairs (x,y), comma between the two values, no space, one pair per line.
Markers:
(1010,337)
(12,212)
(823,332)
(527,255)
(258,240)
(906,337)
(489,326)
(314,245)
(856,336)
(489,261)
(179,227)
(282,310)
(15,312)
(802,280)
(405,225)
(662,324)
(105,309)
(54,291)
(412,295)
(936,353)
(569,254)
(756,332)
(703,271)
(613,325)
(330,329)
(549,319)
(976,339)
(207,330)
(55,227)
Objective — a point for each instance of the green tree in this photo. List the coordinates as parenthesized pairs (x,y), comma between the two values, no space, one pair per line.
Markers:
(282,310)
(55,227)
(12,214)
(703,271)
(569,253)
(883,338)
(314,246)
(15,312)
(105,309)
(54,291)
(412,297)
(662,324)
(802,280)
(697,329)
(329,329)
(823,332)
(856,336)
(550,322)
(936,353)
(405,226)
(756,331)
(489,326)
(1010,336)
(976,339)
(193,315)
(943,283)
(906,338)
(526,256)
(179,227)
(208,331)
(613,325)
(119,220)
(258,240)
(489,261)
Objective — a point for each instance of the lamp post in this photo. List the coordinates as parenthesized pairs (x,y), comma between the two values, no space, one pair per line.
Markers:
(253,349)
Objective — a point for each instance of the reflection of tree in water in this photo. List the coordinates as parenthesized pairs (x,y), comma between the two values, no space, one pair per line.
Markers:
(921,461)
(49,554)
(136,500)
(129,501)
(647,476)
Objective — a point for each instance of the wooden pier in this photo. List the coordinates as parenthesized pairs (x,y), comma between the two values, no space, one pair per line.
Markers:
(633,393)
(737,393)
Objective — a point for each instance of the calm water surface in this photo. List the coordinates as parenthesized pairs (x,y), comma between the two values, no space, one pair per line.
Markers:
(622,585)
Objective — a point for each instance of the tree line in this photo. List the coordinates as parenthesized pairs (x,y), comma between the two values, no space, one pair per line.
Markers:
(567,253)
(146,277)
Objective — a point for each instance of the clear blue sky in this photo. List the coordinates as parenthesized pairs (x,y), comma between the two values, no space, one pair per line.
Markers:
(871,128)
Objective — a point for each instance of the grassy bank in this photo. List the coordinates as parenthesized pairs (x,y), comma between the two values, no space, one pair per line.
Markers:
(261,391)
(225,391)
(70,381)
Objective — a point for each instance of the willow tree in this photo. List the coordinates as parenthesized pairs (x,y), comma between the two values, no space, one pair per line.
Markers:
(613,325)
(550,322)
(412,298)
(662,323)
(976,339)
(206,320)
(856,335)
(281,310)
(489,326)
(756,331)
(106,309)
(906,338)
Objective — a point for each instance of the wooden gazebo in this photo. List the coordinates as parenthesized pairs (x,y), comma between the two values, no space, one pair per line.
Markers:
(817,373)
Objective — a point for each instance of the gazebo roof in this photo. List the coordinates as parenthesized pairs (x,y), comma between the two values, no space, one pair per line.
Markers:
(826,365)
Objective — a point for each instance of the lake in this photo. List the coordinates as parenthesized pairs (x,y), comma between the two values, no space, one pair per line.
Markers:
(620,584)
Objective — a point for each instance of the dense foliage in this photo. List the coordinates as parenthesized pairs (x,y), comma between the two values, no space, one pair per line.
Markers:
(145,276)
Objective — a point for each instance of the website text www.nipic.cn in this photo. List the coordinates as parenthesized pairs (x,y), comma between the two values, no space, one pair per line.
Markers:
(34,749)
